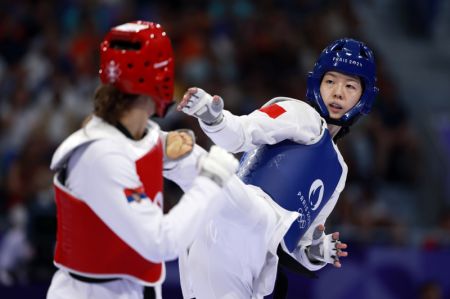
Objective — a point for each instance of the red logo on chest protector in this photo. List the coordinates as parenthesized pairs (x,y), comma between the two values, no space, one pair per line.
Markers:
(273,110)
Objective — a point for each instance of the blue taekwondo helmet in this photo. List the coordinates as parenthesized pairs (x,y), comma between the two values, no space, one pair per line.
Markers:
(350,57)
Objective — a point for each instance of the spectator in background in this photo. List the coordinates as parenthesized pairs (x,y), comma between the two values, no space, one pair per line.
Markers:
(15,249)
(430,290)
(396,144)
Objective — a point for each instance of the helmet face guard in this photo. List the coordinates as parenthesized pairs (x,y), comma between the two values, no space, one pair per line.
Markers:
(350,57)
(137,58)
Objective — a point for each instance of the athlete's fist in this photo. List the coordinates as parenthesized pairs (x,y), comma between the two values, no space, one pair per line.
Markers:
(202,105)
(326,248)
(179,144)
(218,165)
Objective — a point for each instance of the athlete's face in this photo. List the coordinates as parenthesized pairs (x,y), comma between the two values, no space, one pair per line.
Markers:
(340,93)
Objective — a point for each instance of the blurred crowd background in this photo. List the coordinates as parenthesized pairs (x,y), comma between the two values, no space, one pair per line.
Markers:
(397,198)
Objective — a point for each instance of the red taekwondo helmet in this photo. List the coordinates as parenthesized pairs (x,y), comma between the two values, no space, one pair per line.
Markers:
(137,58)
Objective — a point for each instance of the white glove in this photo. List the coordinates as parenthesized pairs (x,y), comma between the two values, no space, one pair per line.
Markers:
(325,248)
(198,103)
(218,165)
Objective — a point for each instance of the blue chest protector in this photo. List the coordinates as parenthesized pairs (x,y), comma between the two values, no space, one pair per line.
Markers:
(298,177)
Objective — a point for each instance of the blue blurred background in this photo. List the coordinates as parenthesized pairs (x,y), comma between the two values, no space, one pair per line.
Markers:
(395,210)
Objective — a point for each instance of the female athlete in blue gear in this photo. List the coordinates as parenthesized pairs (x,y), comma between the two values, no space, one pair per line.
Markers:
(291,176)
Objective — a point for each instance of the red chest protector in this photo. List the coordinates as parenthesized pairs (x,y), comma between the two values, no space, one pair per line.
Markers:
(87,246)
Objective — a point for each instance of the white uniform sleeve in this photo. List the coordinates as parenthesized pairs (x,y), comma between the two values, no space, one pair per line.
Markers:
(296,121)
(100,180)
